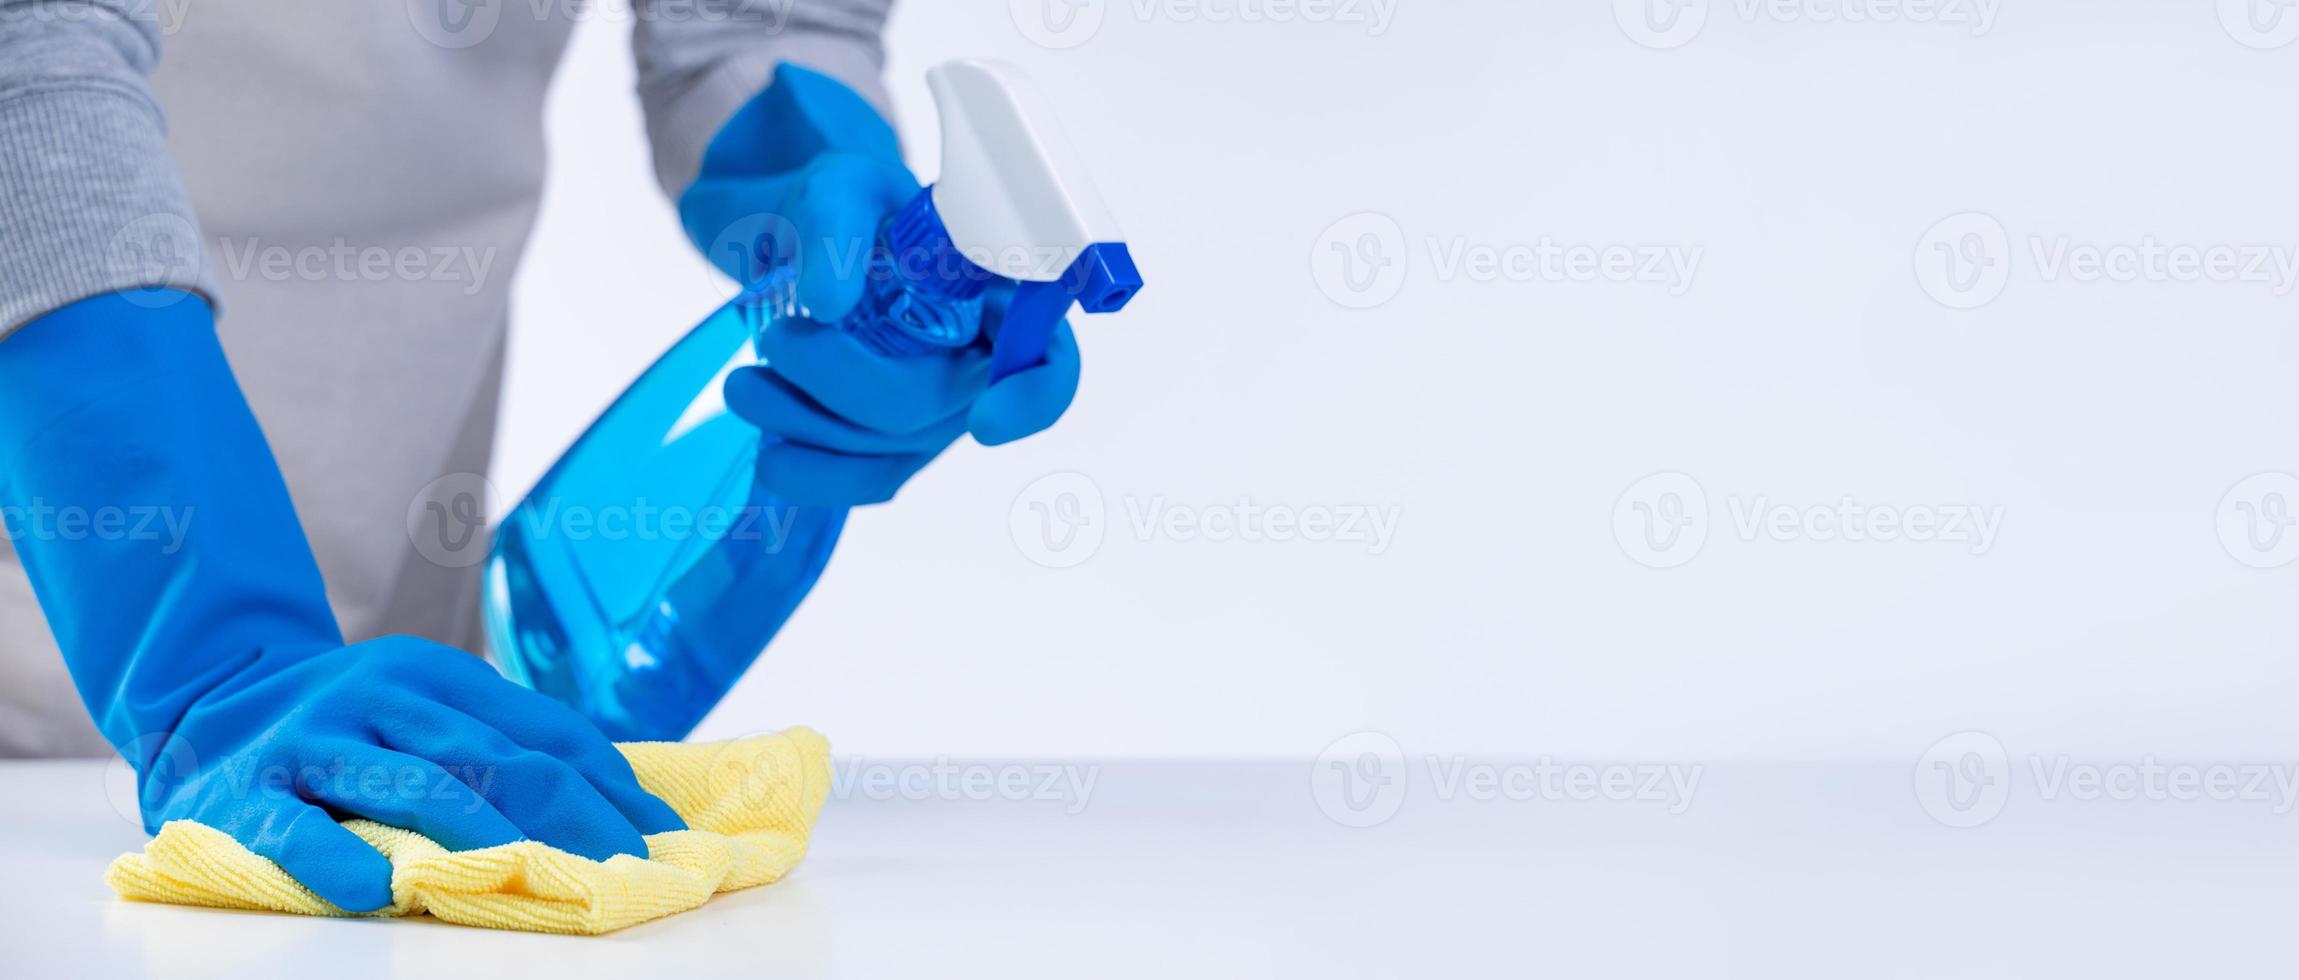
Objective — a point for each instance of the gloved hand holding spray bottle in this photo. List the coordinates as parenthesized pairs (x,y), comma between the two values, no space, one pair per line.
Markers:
(728,478)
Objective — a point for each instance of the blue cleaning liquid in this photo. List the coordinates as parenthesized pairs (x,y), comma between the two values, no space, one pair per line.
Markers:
(646,571)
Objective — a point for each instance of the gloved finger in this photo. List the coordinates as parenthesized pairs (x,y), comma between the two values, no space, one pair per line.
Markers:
(307,843)
(396,789)
(801,114)
(531,720)
(841,201)
(1030,400)
(545,798)
(776,406)
(811,477)
(871,390)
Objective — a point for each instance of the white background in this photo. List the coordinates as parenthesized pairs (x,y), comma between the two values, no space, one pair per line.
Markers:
(1505,420)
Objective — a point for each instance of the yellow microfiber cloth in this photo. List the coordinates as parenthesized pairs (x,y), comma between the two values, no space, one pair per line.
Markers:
(749,805)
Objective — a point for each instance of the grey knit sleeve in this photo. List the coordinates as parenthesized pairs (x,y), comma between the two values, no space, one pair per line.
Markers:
(90,201)
(700,60)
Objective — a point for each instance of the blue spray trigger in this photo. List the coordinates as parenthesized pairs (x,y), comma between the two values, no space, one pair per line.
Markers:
(1100,280)
(919,250)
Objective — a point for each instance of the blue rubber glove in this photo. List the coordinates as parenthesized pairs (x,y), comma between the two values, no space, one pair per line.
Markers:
(210,659)
(805,174)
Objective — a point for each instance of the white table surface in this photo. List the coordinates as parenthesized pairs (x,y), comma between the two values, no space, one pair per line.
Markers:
(1232,869)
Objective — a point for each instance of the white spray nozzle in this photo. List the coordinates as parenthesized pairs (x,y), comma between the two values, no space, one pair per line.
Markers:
(1013,193)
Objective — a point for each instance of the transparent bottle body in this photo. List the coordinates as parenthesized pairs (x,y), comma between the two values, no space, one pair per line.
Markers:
(646,571)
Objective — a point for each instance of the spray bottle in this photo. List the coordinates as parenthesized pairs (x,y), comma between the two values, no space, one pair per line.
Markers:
(644,630)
